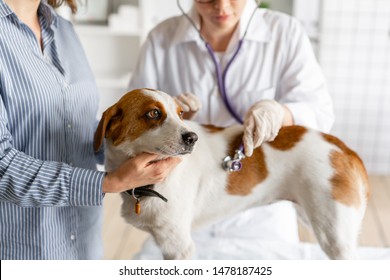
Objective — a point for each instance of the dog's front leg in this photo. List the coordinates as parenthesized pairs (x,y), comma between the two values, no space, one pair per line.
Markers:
(174,242)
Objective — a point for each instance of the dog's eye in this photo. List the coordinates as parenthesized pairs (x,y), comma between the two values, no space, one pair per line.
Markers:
(153,114)
(181,113)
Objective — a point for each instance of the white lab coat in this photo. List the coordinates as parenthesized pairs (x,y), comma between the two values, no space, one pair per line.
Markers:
(276,62)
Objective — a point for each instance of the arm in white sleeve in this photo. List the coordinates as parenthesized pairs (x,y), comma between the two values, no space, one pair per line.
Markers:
(302,86)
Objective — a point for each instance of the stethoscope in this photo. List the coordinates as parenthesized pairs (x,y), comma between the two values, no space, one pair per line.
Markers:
(229,163)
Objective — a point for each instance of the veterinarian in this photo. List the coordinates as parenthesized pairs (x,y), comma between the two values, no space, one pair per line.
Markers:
(230,62)
(50,192)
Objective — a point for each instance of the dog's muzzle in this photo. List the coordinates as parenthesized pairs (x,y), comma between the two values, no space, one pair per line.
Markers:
(189,138)
(184,146)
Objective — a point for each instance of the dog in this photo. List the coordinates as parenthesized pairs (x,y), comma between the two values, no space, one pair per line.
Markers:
(316,171)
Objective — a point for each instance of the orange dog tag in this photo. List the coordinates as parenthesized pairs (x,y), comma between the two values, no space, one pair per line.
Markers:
(137,207)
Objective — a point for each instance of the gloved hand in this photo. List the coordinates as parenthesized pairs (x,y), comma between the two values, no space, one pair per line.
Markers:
(190,103)
(262,123)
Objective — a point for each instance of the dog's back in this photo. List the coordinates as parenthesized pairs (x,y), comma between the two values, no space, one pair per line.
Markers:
(299,163)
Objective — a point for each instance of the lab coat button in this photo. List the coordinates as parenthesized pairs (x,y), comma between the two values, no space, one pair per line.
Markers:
(72,237)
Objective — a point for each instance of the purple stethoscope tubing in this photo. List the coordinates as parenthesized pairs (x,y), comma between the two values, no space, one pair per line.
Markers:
(221,83)
(221,76)
(221,79)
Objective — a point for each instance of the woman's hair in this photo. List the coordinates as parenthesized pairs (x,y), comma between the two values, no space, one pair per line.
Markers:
(56,3)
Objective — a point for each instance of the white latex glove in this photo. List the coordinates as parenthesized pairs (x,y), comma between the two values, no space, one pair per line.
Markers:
(190,103)
(262,123)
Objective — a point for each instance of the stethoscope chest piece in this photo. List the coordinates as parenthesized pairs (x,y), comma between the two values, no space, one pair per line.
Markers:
(233,164)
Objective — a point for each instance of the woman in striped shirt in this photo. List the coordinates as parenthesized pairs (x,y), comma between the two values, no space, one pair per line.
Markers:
(50,192)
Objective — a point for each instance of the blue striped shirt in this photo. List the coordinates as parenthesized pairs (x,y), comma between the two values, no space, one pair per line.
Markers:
(50,191)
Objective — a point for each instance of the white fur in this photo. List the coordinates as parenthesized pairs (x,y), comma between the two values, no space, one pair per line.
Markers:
(196,189)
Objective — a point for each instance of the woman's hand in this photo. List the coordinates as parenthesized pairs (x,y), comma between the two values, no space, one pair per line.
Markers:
(139,171)
(190,103)
(263,122)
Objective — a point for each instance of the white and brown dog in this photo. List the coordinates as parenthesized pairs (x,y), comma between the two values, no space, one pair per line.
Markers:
(315,170)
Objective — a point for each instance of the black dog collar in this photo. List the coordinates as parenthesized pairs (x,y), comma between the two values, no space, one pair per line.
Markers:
(145,191)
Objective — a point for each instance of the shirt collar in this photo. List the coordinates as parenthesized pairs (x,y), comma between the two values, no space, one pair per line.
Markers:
(258,29)
(48,13)
(186,32)
(44,10)
(4,9)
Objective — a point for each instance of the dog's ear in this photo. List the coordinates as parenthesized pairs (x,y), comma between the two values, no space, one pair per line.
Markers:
(104,125)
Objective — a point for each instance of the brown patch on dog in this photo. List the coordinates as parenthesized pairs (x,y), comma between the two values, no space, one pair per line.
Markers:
(212,129)
(288,137)
(127,119)
(254,169)
(253,172)
(179,109)
(348,167)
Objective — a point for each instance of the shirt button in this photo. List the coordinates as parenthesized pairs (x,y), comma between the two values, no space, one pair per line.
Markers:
(69,125)
(72,237)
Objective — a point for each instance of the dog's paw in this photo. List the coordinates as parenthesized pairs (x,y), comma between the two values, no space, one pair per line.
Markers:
(184,254)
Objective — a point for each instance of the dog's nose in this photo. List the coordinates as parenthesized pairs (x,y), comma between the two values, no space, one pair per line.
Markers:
(190,138)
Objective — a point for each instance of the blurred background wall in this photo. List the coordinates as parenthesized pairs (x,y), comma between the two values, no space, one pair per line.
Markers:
(351,39)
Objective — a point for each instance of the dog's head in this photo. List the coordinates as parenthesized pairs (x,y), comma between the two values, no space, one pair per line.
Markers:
(146,120)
